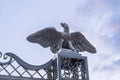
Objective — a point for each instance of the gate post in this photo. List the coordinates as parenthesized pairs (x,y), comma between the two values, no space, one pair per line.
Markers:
(68,65)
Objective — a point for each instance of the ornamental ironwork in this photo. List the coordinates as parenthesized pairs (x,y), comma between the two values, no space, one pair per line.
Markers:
(18,68)
(66,65)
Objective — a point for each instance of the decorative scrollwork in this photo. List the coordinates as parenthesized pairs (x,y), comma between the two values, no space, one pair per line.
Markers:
(67,63)
(72,68)
(23,63)
(5,56)
(16,66)
(0,54)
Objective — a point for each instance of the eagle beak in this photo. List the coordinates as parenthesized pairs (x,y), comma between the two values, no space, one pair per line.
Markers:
(64,25)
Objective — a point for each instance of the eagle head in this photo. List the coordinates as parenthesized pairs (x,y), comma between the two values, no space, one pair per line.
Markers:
(65,26)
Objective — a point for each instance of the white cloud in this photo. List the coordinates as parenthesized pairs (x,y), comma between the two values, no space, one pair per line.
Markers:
(97,22)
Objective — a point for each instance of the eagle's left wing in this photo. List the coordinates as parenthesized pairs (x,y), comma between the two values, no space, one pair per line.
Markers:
(81,43)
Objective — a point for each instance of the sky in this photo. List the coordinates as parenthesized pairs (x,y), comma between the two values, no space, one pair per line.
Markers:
(98,20)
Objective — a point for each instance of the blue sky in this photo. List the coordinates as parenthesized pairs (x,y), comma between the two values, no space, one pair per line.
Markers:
(98,20)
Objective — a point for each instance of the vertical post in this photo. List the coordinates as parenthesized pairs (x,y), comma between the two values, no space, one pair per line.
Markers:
(86,69)
(58,67)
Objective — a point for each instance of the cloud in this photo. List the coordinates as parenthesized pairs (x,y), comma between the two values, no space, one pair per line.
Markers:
(113,5)
(98,20)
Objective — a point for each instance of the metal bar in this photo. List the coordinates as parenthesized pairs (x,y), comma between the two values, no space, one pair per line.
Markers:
(5,77)
(86,69)
(5,70)
(15,69)
(58,67)
(29,73)
(40,75)
(45,73)
(34,73)
(23,72)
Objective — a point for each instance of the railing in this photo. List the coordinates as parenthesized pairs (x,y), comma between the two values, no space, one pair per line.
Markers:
(66,65)
(17,67)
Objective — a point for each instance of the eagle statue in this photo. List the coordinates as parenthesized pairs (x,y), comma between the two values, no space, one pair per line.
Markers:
(50,37)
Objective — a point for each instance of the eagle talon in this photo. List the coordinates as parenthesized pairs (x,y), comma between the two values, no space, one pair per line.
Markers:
(75,50)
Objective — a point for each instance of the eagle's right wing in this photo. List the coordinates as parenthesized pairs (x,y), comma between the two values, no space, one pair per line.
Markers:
(46,37)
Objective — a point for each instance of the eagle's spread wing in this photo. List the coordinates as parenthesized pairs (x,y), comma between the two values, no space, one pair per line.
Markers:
(46,37)
(81,43)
